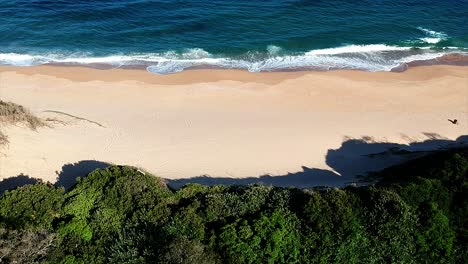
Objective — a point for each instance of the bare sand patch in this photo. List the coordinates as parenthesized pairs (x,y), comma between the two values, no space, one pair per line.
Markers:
(228,123)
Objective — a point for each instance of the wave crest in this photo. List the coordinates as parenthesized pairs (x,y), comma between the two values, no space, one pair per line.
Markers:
(432,37)
(375,57)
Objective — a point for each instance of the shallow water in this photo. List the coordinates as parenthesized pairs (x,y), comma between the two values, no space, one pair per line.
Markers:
(169,36)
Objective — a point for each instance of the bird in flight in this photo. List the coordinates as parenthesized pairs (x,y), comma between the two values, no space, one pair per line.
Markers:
(453,121)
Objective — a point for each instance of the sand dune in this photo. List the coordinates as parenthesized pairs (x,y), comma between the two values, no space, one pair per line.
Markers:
(228,123)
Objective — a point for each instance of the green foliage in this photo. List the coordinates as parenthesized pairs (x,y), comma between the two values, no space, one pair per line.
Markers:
(391,225)
(193,190)
(187,223)
(31,206)
(425,190)
(184,251)
(128,247)
(435,237)
(454,170)
(235,201)
(450,167)
(272,238)
(334,229)
(416,214)
(102,204)
(458,222)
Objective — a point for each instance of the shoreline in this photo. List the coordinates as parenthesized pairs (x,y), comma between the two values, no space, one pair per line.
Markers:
(83,73)
(451,59)
(230,123)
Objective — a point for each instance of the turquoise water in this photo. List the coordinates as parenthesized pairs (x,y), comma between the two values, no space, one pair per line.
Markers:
(170,36)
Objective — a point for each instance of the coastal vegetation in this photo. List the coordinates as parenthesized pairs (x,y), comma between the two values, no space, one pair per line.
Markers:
(415,213)
(12,114)
(3,138)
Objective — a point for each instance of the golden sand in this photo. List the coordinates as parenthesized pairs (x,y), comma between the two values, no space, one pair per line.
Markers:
(222,123)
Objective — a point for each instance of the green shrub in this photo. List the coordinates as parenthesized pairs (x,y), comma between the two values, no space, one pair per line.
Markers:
(416,214)
(272,238)
(31,206)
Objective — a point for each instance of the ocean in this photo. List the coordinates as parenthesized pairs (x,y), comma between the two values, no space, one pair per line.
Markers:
(168,36)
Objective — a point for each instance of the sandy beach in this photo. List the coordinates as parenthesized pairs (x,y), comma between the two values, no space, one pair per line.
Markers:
(230,124)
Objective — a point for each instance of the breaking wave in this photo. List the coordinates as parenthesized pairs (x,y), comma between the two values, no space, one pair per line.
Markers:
(375,57)
(432,37)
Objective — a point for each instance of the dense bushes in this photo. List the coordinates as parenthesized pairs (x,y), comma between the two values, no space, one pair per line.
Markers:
(271,238)
(416,213)
(32,206)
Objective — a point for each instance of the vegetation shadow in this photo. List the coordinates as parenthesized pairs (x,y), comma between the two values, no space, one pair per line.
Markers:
(302,179)
(355,158)
(15,182)
(70,172)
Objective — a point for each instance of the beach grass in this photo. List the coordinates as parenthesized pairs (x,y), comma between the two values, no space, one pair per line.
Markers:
(3,139)
(11,114)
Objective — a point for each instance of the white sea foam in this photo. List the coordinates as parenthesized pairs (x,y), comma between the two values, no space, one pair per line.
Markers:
(273,50)
(433,33)
(197,53)
(421,57)
(377,57)
(433,37)
(356,49)
(430,40)
(21,59)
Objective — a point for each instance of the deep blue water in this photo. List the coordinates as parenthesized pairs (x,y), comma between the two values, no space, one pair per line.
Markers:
(170,35)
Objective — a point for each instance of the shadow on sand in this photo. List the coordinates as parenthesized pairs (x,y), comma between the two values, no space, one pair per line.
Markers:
(70,172)
(65,178)
(303,179)
(355,158)
(15,182)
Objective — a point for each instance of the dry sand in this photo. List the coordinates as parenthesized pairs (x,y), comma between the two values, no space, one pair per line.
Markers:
(228,123)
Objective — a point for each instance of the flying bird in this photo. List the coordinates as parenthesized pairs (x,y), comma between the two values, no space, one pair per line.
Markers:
(453,121)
